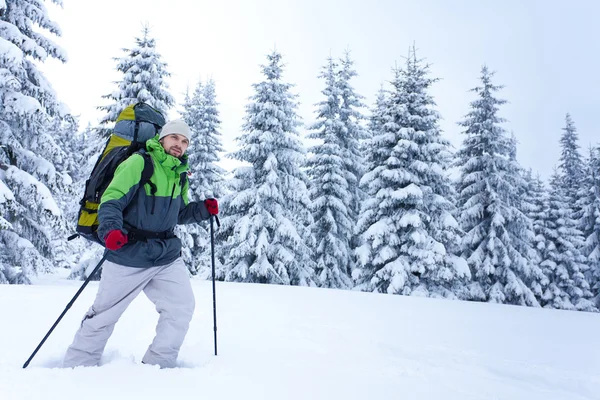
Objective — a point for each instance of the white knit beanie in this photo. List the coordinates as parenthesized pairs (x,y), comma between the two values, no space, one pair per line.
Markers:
(176,126)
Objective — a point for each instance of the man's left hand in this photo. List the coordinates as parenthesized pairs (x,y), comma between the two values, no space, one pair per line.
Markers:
(212,206)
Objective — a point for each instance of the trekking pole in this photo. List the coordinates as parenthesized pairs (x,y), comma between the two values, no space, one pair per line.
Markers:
(65,311)
(212,251)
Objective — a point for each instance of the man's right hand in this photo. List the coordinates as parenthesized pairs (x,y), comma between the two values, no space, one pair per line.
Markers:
(212,206)
(115,239)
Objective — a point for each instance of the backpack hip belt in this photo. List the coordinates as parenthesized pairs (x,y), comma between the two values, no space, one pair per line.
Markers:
(137,235)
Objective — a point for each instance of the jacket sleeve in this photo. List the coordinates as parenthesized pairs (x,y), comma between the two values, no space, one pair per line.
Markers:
(119,194)
(193,212)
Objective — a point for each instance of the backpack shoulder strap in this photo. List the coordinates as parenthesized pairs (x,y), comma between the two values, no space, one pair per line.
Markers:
(182,179)
(147,172)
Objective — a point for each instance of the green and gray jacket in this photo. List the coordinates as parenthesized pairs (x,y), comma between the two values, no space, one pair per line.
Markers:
(123,205)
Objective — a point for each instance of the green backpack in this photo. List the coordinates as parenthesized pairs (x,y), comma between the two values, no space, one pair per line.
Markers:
(136,124)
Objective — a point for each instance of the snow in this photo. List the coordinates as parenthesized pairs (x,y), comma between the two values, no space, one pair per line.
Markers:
(411,219)
(21,104)
(460,265)
(4,224)
(11,54)
(22,178)
(284,342)
(5,193)
(39,164)
(64,109)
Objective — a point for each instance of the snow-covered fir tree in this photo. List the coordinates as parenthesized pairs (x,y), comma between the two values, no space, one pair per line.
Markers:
(563,263)
(535,196)
(498,241)
(67,152)
(231,206)
(31,220)
(376,119)
(530,200)
(207,178)
(144,80)
(331,192)
(68,158)
(571,162)
(270,213)
(202,115)
(353,134)
(406,223)
(589,204)
(375,125)
(571,168)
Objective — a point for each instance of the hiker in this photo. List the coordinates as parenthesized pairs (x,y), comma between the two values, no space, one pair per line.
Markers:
(143,254)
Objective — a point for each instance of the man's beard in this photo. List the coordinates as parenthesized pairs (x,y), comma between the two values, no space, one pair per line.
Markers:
(175,152)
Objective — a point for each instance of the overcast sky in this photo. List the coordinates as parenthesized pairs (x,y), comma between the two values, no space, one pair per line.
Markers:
(546,53)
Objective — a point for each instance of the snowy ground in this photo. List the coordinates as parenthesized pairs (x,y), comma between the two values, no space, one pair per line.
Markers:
(298,343)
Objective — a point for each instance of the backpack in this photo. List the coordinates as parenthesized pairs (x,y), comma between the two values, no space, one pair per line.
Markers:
(135,125)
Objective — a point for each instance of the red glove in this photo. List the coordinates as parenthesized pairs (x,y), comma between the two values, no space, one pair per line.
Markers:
(212,206)
(115,239)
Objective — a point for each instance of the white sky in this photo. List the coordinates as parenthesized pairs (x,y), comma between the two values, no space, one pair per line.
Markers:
(546,53)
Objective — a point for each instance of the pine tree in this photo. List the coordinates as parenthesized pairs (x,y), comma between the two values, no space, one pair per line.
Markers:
(407,224)
(31,219)
(531,197)
(571,168)
(563,263)
(207,178)
(377,118)
(498,236)
(270,207)
(231,207)
(331,193)
(368,145)
(571,164)
(353,134)
(144,80)
(67,158)
(67,141)
(590,220)
(535,196)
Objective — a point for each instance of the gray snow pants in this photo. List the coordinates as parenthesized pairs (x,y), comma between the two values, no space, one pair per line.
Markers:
(167,286)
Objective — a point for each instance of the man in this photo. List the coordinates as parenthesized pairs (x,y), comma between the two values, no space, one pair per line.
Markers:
(143,254)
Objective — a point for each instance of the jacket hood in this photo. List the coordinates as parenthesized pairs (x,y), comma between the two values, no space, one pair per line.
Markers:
(158,153)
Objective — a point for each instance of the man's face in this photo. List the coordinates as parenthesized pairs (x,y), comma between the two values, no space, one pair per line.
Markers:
(175,144)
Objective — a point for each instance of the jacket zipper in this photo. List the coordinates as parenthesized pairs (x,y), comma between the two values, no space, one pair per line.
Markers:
(172,194)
